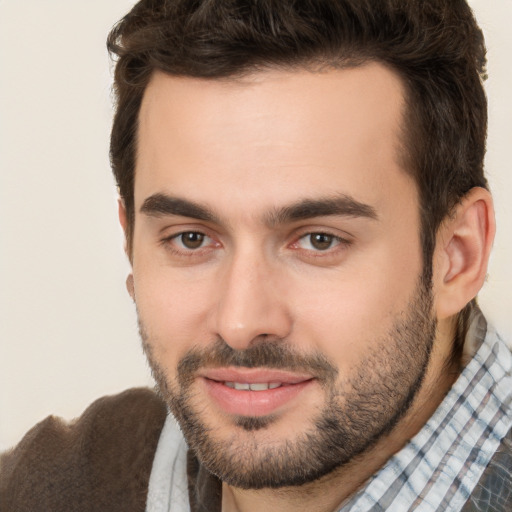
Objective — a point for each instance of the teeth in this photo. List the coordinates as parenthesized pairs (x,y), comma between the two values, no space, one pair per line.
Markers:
(260,386)
(263,386)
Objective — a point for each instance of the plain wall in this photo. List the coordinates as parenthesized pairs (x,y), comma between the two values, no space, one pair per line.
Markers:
(68,331)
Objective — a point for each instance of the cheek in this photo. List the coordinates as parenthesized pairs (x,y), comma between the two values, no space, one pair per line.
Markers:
(173,310)
(353,309)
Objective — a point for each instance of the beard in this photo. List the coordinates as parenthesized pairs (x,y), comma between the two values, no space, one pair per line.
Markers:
(358,410)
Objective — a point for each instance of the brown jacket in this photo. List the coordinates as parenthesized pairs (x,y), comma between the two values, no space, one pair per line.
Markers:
(100,462)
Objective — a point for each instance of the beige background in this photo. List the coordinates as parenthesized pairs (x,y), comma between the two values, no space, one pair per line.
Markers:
(67,328)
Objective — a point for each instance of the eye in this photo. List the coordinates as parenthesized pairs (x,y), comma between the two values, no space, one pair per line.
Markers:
(190,240)
(318,241)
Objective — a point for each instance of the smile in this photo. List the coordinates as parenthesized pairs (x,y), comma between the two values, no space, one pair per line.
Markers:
(259,386)
(254,391)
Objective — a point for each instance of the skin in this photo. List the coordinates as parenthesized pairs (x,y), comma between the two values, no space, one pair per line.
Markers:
(244,149)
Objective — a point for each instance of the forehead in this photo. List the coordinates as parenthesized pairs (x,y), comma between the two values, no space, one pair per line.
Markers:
(272,136)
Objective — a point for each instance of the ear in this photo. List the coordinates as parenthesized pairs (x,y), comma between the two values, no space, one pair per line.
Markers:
(123,220)
(130,286)
(463,246)
(121,211)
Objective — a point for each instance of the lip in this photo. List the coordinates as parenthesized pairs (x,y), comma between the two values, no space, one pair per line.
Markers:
(254,375)
(253,403)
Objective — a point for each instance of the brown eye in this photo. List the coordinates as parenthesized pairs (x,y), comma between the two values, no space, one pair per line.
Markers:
(192,239)
(321,245)
(321,241)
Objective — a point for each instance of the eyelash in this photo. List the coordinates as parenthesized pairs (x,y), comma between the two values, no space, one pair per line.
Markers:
(340,244)
(168,243)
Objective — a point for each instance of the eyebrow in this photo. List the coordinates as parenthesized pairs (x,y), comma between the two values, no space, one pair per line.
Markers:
(341,205)
(159,205)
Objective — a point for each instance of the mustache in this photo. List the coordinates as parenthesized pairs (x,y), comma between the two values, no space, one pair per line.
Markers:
(275,354)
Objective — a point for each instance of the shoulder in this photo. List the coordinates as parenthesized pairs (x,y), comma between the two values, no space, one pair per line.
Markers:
(494,489)
(101,461)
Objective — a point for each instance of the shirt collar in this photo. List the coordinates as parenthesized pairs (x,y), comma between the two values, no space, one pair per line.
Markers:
(441,465)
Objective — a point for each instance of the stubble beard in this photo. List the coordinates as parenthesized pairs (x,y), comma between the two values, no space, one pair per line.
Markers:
(357,412)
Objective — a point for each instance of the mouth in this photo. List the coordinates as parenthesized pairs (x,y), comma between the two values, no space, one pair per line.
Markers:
(255,386)
(253,392)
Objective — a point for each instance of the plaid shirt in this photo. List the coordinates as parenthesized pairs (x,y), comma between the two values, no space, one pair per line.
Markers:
(440,469)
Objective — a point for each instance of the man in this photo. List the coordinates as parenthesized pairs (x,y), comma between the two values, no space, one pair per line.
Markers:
(308,223)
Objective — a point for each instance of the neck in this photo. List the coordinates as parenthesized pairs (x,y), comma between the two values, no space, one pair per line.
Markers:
(328,493)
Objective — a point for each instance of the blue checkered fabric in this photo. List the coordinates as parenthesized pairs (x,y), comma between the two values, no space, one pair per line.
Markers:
(461,459)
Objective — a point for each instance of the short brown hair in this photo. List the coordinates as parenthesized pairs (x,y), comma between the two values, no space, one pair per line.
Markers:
(435,46)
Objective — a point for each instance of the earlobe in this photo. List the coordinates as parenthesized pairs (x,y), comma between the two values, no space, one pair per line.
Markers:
(463,246)
(130,286)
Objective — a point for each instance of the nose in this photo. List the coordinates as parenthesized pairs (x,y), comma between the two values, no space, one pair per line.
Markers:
(251,302)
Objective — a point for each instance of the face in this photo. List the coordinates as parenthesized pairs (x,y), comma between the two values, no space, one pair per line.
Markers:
(277,267)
